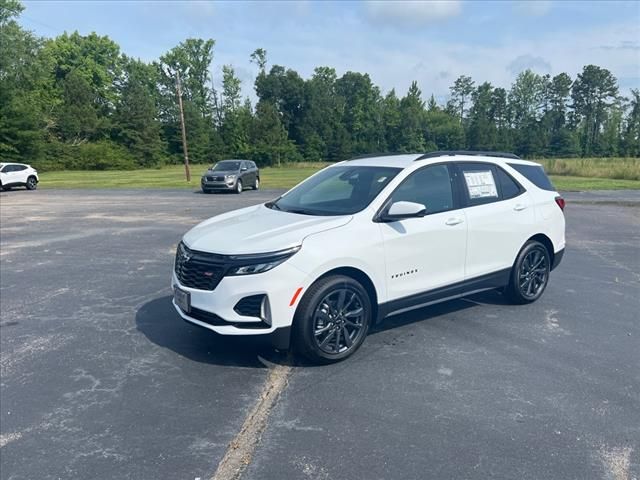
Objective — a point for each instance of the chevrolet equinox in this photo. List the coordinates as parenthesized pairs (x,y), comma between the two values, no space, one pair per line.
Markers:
(368,238)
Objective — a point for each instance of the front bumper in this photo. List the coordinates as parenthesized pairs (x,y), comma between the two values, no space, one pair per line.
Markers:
(279,285)
(216,185)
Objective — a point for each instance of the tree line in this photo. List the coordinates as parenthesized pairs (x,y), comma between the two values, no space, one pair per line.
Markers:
(77,101)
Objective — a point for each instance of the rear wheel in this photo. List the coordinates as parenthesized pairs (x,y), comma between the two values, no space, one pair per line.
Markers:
(256,184)
(238,186)
(332,319)
(32,183)
(530,273)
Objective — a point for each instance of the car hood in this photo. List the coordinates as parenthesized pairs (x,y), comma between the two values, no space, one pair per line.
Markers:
(221,172)
(257,229)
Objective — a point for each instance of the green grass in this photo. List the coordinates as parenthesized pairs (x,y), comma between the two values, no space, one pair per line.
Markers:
(586,183)
(616,168)
(567,174)
(167,177)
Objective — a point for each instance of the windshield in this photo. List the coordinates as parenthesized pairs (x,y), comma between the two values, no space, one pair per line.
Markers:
(226,166)
(341,190)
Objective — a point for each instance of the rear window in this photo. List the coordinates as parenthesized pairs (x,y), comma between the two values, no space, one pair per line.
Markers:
(535,174)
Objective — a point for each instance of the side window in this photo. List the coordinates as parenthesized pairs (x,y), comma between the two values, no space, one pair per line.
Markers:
(429,186)
(6,169)
(508,186)
(252,164)
(19,168)
(479,183)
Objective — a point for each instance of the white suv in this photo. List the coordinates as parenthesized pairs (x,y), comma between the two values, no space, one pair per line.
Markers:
(368,238)
(18,175)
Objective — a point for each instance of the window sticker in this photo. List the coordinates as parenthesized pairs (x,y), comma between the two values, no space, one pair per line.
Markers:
(481,184)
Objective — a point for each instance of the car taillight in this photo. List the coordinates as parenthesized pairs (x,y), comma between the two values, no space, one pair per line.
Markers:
(561,203)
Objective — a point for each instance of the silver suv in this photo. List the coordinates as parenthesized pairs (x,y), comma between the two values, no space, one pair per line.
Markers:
(232,176)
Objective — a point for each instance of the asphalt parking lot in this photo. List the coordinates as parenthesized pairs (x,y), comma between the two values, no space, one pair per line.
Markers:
(101,379)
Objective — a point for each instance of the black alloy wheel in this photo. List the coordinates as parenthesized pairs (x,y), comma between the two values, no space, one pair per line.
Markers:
(332,319)
(530,273)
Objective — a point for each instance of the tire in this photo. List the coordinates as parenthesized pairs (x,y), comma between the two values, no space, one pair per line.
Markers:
(238,188)
(32,183)
(205,190)
(332,319)
(256,184)
(530,273)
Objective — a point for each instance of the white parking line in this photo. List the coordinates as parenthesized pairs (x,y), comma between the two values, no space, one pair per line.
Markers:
(241,449)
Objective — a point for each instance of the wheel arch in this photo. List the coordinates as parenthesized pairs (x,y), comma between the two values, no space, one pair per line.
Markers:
(362,278)
(546,241)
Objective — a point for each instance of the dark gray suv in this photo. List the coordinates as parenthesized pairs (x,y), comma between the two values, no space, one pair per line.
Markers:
(232,176)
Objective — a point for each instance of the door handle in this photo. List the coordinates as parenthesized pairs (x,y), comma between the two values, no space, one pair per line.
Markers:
(519,207)
(453,221)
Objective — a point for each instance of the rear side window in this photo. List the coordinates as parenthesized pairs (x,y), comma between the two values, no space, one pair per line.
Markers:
(508,186)
(535,174)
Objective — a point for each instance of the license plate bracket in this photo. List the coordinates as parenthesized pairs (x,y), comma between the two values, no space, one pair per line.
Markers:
(182,299)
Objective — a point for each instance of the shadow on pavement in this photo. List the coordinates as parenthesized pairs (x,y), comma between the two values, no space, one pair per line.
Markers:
(490,297)
(159,322)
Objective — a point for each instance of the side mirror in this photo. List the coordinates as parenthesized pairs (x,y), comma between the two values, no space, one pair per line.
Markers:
(401,210)
(243,169)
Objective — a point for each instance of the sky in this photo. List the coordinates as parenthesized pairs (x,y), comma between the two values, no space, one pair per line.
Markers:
(395,42)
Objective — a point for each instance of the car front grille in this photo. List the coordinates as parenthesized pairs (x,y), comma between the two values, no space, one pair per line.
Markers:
(199,270)
(209,179)
(219,179)
(207,317)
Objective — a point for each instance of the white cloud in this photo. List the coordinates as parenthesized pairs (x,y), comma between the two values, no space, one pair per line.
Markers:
(533,8)
(412,12)
(436,64)
(531,62)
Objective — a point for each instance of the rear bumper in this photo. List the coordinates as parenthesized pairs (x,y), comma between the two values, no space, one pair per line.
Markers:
(557,258)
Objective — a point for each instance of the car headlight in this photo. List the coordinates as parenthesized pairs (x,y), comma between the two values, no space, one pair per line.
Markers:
(230,177)
(261,262)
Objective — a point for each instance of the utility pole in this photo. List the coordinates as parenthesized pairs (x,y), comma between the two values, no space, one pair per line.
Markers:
(184,131)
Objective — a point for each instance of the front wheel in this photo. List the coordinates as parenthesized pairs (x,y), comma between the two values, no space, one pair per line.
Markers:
(530,273)
(238,186)
(332,319)
(32,183)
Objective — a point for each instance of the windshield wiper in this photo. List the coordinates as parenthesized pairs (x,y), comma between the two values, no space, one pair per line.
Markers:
(273,205)
(301,211)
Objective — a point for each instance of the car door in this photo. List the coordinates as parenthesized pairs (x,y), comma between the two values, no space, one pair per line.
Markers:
(11,175)
(4,174)
(21,173)
(428,252)
(499,215)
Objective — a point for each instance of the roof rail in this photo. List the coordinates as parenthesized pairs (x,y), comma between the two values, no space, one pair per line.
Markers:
(373,155)
(451,153)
